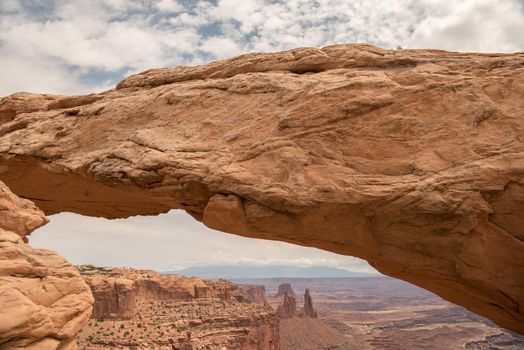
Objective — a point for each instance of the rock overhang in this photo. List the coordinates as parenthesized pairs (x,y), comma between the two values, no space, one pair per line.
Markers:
(410,159)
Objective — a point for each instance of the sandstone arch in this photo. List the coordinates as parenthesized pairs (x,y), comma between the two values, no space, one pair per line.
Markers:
(412,159)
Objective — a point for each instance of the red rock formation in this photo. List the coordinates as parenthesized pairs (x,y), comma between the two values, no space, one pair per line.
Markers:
(263,334)
(18,215)
(219,312)
(43,300)
(184,343)
(252,294)
(309,311)
(114,297)
(288,308)
(307,333)
(283,289)
(116,291)
(410,159)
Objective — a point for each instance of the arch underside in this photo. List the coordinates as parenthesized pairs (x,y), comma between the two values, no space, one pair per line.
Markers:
(412,159)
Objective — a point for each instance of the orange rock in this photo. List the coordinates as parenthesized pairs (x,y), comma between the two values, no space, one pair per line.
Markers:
(285,288)
(18,215)
(219,313)
(309,311)
(410,159)
(288,308)
(116,291)
(44,302)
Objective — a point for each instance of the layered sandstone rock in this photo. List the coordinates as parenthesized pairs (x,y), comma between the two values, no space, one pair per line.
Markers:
(114,297)
(144,308)
(43,300)
(252,294)
(117,291)
(264,333)
(285,288)
(410,159)
(309,310)
(18,215)
(288,308)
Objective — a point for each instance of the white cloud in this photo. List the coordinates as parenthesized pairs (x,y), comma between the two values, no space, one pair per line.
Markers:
(10,6)
(473,25)
(220,47)
(169,6)
(237,10)
(178,242)
(45,77)
(72,38)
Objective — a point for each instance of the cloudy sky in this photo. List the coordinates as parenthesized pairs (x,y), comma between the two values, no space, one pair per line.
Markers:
(78,46)
(170,242)
(81,46)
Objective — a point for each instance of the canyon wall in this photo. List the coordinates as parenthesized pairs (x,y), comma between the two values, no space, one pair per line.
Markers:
(156,309)
(285,288)
(264,333)
(115,297)
(410,159)
(43,300)
(252,294)
(117,291)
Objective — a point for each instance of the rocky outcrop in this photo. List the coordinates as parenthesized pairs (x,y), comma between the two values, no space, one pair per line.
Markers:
(43,300)
(18,215)
(264,334)
(117,291)
(283,289)
(288,308)
(410,159)
(114,297)
(252,294)
(128,312)
(309,311)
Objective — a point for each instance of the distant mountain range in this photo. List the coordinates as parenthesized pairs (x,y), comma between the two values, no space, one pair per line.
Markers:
(269,271)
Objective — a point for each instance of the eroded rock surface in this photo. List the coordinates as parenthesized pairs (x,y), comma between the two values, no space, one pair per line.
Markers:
(288,308)
(43,300)
(116,291)
(309,310)
(19,215)
(285,288)
(142,308)
(410,159)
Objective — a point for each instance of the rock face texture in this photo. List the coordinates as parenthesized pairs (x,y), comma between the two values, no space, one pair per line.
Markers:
(43,300)
(18,215)
(410,159)
(117,291)
(146,309)
(114,297)
(283,289)
(252,294)
(309,311)
(288,308)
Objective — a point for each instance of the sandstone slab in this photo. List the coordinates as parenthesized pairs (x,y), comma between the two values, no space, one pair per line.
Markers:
(44,302)
(410,159)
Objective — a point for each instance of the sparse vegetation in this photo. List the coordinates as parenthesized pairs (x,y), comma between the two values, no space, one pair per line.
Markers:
(160,323)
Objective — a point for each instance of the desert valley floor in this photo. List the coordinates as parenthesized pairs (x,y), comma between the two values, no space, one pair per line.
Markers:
(384,313)
(143,309)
